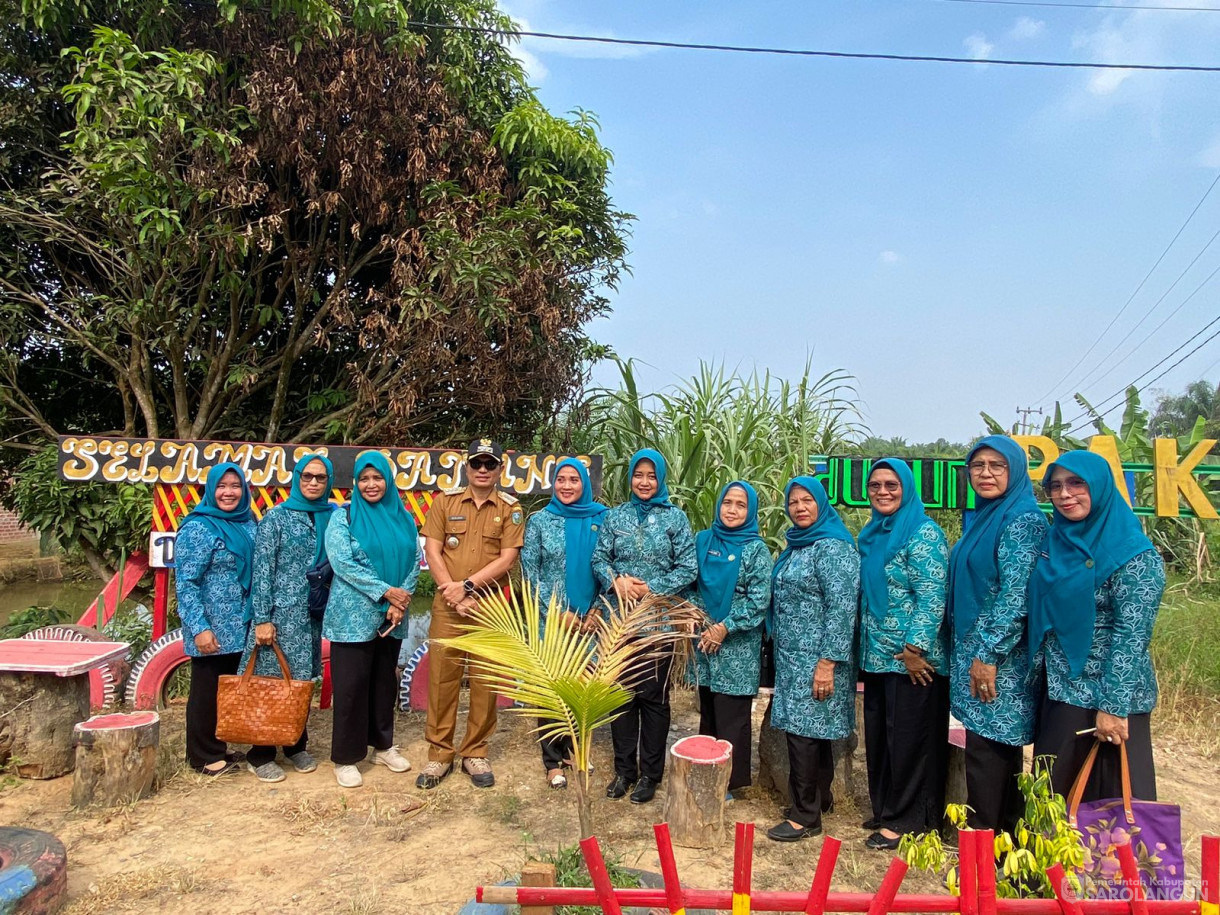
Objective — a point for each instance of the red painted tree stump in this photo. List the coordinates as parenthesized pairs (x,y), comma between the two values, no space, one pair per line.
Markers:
(116,758)
(699,770)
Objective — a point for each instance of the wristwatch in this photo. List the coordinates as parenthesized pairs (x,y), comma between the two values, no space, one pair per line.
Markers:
(469,586)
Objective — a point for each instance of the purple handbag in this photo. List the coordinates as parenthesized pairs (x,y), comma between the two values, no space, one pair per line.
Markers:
(1153,829)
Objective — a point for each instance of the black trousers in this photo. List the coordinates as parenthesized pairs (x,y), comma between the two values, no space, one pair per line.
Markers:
(728,718)
(992,792)
(259,755)
(640,733)
(906,740)
(202,747)
(811,769)
(1058,723)
(362,674)
(555,752)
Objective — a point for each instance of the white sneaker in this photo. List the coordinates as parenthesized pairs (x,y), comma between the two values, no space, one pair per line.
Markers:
(348,777)
(391,759)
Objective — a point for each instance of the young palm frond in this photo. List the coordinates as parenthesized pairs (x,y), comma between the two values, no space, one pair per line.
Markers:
(571,680)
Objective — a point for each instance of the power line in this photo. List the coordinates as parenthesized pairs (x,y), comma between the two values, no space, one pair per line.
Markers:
(802,52)
(1054,387)
(1152,332)
(1101,409)
(1092,6)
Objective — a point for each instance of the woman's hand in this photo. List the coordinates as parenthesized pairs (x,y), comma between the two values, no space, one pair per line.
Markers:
(206,642)
(1111,728)
(395,613)
(918,669)
(398,598)
(591,622)
(264,633)
(712,638)
(628,587)
(640,589)
(982,681)
(824,680)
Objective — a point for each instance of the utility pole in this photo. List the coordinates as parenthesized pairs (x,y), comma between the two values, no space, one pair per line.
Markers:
(1024,420)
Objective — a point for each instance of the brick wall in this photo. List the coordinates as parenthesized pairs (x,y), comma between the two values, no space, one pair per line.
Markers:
(12,530)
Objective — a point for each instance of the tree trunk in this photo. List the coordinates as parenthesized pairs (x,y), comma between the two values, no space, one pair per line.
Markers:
(116,759)
(699,773)
(37,715)
(584,804)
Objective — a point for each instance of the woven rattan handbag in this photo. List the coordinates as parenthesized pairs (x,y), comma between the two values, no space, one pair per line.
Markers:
(262,711)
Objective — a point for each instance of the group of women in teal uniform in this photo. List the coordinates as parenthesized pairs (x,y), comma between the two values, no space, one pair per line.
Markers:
(1027,631)
(242,586)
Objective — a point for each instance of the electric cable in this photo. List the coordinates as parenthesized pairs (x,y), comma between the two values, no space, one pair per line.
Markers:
(1092,6)
(803,52)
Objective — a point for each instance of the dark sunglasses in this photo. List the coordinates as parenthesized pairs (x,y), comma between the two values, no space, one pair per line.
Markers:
(484,464)
(313,478)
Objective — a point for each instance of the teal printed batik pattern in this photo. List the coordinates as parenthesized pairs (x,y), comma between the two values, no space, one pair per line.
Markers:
(355,608)
(660,550)
(734,669)
(284,549)
(999,636)
(544,559)
(210,594)
(814,605)
(1118,676)
(916,581)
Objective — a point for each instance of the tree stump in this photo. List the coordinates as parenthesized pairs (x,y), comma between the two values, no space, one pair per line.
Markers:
(699,773)
(37,715)
(116,759)
(773,763)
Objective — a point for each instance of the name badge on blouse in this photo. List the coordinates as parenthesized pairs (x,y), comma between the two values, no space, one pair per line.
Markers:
(715,553)
(457,517)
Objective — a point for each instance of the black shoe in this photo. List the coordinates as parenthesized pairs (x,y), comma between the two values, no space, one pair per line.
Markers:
(433,774)
(215,773)
(786,832)
(871,823)
(619,787)
(644,791)
(878,841)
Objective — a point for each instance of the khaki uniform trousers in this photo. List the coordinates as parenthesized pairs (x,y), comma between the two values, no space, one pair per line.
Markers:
(446,667)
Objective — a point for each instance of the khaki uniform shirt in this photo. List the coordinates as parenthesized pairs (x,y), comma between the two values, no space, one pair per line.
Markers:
(472,537)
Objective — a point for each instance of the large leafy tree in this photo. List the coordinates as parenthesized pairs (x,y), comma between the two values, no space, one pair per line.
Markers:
(338,220)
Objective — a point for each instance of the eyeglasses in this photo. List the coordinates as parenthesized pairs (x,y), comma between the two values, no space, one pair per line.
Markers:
(314,478)
(886,485)
(995,468)
(483,464)
(1073,486)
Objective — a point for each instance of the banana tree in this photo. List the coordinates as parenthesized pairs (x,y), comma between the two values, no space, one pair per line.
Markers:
(572,680)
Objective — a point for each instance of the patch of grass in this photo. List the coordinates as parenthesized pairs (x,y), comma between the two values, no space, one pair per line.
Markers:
(570,871)
(133,891)
(1186,654)
(366,902)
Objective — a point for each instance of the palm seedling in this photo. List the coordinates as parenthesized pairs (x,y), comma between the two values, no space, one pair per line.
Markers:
(573,679)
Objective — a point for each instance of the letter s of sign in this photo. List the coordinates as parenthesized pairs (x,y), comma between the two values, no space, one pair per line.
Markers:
(85,466)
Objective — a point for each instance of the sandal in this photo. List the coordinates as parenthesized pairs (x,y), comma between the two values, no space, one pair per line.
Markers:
(558,780)
(223,770)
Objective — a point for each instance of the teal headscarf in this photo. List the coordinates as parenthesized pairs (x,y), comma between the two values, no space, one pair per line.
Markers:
(719,550)
(229,527)
(320,507)
(660,499)
(581,520)
(384,529)
(827,526)
(973,569)
(1078,558)
(885,535)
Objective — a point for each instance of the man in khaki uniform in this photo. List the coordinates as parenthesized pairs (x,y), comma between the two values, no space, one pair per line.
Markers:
(472,538)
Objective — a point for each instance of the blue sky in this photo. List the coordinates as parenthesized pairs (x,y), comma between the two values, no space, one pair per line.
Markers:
(955,236)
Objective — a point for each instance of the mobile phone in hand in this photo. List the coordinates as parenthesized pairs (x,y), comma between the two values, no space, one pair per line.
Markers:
(386,628)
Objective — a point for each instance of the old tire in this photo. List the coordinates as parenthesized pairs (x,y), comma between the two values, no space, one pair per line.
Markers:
(152,670)
(33,871)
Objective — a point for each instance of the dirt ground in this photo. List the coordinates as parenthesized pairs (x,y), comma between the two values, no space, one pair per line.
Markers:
(233,845)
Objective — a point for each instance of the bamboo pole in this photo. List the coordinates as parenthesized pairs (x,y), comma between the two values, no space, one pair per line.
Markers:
(1064,897)
(968,882)
(743,864)
(1131,879)
(827,859)
(984,859)
(883,900)
(669,870)
(606,897)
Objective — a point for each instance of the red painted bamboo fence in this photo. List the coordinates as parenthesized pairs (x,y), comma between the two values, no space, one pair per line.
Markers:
(978,887)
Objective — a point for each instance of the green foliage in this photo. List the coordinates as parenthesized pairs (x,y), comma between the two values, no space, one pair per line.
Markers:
(31,618)
(103,520)
(1179,414)
(1042,837)
(570,872)
(218,218)
(720,426)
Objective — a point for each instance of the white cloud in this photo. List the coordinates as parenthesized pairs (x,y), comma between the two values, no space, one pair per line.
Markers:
(978,46)
(1025,28)
(889,258)
(1210,157)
